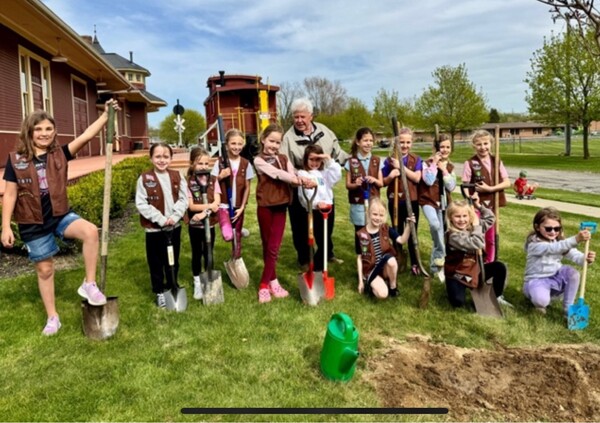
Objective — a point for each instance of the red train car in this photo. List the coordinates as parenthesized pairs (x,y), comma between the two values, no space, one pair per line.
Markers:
(244,102)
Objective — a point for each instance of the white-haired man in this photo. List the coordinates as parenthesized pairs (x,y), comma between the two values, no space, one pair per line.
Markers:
(305,132)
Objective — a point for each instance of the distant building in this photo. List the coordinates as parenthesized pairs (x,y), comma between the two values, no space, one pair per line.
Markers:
(45,65)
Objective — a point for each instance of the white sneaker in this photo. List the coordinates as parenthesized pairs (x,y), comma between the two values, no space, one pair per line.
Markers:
(245,233)
(197,290)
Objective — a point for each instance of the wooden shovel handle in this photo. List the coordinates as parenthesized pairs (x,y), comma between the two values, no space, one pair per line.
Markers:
(110,129)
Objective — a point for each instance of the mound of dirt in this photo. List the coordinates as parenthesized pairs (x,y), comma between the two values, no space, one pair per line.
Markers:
(556,383)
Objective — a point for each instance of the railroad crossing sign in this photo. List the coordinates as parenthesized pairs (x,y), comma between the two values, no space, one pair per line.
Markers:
(179,124)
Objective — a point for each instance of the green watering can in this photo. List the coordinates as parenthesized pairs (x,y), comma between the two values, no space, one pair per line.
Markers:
(340,348)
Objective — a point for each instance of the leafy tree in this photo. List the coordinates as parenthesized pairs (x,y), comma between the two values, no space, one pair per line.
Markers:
(346,123)
(494,116)
(387,105)
(565,90)
(452,102)
(194,125)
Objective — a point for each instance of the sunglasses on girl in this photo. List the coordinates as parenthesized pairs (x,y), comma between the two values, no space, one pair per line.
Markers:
(552,228)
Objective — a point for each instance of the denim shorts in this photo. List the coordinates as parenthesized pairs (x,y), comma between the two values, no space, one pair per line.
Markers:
(44,247)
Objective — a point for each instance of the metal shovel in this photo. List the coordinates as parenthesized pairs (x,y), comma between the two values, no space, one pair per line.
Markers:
(235,266)
(484,296)
(176,297)
(578,315)
(212,284)
(328,283)
(310,284)
(101,322)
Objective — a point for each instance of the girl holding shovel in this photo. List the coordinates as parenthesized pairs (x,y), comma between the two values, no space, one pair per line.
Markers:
(363,178)
(240,174)
(413,166)
(325,173)
(161,199)
(276,176)
(545,275)
(198,176)
(36,181)
(465,235)
(479,170)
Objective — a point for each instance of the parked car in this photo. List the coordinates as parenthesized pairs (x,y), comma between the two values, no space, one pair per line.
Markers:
(384,143)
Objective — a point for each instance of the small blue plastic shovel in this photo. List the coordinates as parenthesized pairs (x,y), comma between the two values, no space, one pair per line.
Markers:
(579,313)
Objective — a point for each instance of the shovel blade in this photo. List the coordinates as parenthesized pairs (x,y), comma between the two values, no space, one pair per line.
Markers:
(329,286)
(212,287)
(486,303)
(100,322)
(176,300)
(311,293)
(578,315)
(237,272)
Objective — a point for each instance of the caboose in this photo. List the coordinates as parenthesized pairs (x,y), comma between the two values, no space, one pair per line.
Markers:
(245,103)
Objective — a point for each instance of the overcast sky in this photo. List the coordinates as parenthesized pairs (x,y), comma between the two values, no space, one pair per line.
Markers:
(366,45)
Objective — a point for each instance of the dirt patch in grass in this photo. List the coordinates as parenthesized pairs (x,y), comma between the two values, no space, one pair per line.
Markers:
(555,383)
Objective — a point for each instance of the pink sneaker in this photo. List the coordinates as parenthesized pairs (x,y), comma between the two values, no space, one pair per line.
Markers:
(264,296)
(52,326)
(90,292)
(277,290)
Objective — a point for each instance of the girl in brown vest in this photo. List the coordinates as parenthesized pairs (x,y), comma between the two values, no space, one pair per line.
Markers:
(479,170)
(363,178)
(36,181)
(437,183)
(239,173)
(465,235)
(273,195)
(413,166)
(377,266)
(199,178)
(161,199)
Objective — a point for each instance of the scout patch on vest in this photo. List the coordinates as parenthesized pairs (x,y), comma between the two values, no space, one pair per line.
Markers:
(364,241)
(476,167)
(354,165)
(150,184)
(21,165)
(272,160)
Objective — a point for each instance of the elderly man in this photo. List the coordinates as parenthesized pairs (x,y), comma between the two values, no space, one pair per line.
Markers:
(306,132)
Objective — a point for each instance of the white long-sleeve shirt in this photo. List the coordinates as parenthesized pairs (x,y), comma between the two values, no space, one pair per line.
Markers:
(325,179)
(175,210)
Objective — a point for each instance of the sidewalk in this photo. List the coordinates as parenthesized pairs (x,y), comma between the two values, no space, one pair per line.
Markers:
(83,166)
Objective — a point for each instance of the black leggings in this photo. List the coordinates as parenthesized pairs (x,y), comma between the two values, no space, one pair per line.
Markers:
(156,254)
(200,248)
(457,291)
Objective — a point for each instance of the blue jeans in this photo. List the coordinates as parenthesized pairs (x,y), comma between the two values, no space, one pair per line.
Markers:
(45,247)
(436,228)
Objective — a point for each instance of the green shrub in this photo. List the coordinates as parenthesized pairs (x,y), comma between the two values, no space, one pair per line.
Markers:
(86,196)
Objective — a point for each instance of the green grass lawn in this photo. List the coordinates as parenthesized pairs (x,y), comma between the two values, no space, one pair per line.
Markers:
(241,353)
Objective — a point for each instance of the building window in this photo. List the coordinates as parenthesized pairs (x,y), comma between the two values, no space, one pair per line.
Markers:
(138,77)
(129,76)
(515,131)
(35,82)
(537,131)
